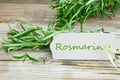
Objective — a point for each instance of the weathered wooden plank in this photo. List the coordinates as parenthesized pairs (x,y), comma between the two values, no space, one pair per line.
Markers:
(26,1)
(29,71)
(30,12)
(42,54)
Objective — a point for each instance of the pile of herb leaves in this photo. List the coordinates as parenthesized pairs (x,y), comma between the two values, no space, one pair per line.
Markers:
(69,12)
(33,38)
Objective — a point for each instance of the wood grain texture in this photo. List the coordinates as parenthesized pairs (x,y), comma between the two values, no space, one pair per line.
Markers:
(56,70)
(27,1)
(47,68)
(31,12)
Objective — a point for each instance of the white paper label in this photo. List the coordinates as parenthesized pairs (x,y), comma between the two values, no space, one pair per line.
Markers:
(82,46)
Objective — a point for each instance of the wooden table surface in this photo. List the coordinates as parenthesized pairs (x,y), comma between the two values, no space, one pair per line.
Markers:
(47,68)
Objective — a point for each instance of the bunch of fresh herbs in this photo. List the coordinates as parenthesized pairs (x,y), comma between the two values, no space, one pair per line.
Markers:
(70,12)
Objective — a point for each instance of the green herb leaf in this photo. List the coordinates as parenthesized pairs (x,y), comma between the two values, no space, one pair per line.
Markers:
(31,58)
(25,57)
(51,35)
(18,57)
